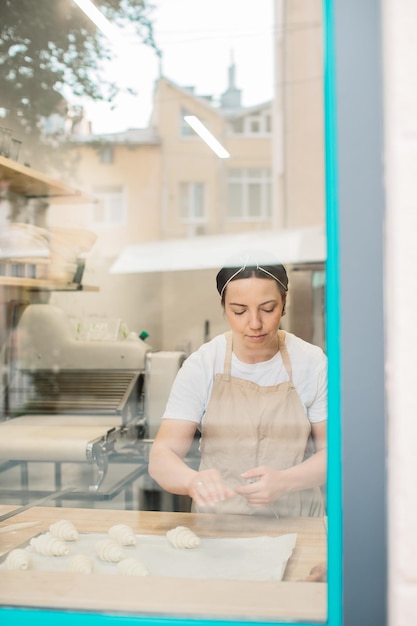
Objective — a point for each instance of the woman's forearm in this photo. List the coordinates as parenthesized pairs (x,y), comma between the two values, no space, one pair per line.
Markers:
(169,470)
(309,473)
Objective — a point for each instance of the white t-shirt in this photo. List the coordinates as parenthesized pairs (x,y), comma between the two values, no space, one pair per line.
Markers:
(192,386)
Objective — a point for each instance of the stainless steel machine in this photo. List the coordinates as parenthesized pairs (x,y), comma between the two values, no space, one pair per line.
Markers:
(82,401)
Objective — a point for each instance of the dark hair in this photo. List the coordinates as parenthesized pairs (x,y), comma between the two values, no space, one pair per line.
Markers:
(272,272)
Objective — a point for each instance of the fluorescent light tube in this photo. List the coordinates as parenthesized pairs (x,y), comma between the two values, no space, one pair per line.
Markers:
(98,19)
(206,136)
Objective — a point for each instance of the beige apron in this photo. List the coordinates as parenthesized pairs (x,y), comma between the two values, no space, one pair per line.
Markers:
(246,426)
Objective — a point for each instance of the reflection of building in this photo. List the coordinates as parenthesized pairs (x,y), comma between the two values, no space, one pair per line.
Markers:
(298,148)
(123,172)
(66,121)
(163,183)
(202,194)
(298,140)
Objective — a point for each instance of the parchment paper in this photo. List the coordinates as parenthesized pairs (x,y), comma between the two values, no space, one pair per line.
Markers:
(255,558)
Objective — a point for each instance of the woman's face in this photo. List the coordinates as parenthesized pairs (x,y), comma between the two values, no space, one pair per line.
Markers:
(253,308)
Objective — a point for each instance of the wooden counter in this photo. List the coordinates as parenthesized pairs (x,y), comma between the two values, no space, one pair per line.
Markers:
(290,599)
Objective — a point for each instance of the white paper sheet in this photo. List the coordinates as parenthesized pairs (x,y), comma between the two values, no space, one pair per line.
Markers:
(255,558)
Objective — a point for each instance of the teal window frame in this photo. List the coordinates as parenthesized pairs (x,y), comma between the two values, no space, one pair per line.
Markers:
(343,20)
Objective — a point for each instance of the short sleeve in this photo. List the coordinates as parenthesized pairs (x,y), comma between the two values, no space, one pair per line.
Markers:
(192,386)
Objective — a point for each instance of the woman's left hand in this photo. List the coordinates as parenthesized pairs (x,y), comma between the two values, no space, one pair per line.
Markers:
(264,485)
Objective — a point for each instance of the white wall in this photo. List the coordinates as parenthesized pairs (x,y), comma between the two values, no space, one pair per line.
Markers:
(400,78)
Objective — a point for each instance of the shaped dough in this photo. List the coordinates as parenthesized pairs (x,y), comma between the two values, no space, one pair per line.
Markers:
(132,567)
(64,530)
(18,559)
(123,534)
(109,550)
(48,545)
(183,537)
(81,563)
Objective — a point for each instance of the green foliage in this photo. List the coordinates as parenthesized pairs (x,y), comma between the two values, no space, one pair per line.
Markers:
(48,44)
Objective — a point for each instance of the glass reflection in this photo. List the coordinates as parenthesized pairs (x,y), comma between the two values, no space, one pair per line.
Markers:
(108,293)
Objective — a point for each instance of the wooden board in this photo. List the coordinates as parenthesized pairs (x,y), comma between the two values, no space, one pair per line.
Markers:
(290,599)
(27,182)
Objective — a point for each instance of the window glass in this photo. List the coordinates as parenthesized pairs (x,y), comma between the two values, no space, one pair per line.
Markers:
(192,201)
(255,173)
(109,209)
(250,198)
(254,199)
(139,387)
(106,154)
(185,129)
(268,126)
(235,200)
(237,125)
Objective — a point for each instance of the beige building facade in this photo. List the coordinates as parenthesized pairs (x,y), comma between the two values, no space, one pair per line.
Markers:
(163,183)
(298,140)
(122,174)
(202,194)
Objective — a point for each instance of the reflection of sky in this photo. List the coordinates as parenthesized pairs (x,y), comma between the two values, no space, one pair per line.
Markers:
(197,40)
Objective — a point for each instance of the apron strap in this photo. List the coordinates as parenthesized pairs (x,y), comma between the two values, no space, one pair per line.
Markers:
(284,353)
(282,348)
(228,356)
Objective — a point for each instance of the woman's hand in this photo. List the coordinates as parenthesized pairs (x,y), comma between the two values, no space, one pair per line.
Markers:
(264,485)
(207,488)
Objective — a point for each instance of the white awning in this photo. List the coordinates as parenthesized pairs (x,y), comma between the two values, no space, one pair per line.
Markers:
(307,245)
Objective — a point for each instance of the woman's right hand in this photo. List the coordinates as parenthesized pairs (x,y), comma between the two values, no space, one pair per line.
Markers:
(207,488)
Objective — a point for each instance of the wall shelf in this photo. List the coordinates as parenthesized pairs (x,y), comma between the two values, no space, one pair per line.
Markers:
(43,284)
(27,182)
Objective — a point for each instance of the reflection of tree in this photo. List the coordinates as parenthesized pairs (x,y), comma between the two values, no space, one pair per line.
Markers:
(49,48)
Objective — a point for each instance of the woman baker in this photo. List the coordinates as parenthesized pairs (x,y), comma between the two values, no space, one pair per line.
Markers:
(258,396)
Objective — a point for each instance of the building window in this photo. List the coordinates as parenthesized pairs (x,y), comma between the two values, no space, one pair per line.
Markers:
(237,126)
(258,123)
(268,123)
(254,125)
(110,208)
(191,202)
(249,194)
(185,129)
(106,154)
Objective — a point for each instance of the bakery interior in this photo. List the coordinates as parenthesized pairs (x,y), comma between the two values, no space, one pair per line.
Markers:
(110,241)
